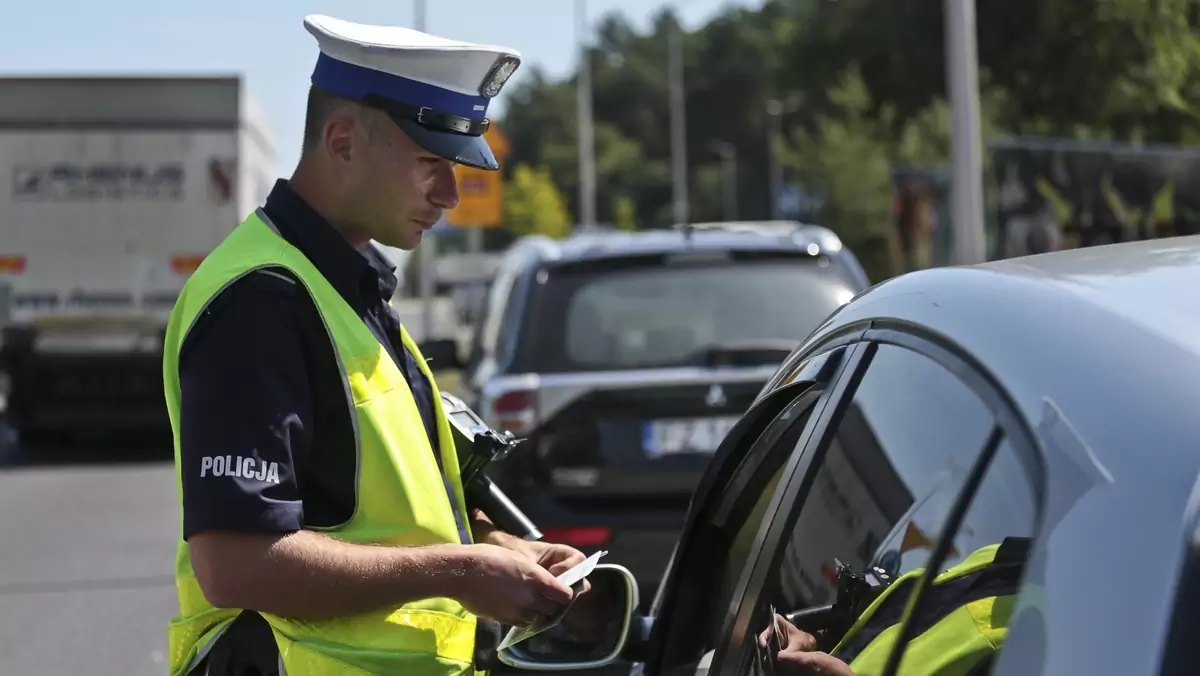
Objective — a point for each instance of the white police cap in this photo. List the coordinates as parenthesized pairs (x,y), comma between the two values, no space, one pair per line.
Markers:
(436,89)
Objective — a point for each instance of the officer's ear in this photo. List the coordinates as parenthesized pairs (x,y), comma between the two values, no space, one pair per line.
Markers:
(339,140)
(341,129)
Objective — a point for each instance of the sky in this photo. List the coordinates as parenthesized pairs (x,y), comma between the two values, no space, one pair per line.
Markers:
(265,41)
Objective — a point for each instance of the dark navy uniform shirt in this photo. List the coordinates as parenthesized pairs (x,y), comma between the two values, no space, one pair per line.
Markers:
(260,384)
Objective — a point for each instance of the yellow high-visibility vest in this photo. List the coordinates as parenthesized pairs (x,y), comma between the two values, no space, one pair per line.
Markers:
(401,497)
(966,626)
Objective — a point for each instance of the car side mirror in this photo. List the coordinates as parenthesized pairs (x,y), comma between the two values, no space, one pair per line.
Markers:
(441,355)
(592,634)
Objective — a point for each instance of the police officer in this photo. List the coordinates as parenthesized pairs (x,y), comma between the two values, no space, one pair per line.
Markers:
(962,623)
(324,525)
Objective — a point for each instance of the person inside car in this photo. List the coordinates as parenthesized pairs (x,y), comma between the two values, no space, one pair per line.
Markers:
(960,625)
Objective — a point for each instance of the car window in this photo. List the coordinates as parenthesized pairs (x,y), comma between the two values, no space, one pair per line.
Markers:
(475,353)
(976,584)
(496,304)
(509,317)
(697,619)
(744,517)
(881,489)
(653,313)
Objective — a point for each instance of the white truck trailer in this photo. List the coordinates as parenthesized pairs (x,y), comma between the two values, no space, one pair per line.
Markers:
(115,190)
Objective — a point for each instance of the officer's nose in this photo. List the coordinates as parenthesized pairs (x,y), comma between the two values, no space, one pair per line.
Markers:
(444,194)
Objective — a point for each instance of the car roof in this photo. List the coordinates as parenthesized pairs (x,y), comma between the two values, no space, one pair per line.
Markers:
(745,235)
(1099,349)
(1068,325)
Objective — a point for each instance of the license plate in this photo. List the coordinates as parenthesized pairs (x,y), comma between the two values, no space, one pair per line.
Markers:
(685,435)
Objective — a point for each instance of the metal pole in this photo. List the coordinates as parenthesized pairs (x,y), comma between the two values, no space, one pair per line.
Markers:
(728,153)
(970,245)
(731,206)
(586,132)
(774,172)
(678,125)
(427,249)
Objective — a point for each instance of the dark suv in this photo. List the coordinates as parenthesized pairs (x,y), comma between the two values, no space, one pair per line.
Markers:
(625,358)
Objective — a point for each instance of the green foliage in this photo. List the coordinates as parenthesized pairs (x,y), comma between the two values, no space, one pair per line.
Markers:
(1121,69)
(845,160)
(869,76)
(533,205)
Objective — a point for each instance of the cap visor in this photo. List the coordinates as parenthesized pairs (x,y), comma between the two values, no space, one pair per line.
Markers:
(473,151)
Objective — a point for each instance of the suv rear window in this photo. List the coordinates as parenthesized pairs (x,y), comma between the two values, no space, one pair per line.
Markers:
(648,313)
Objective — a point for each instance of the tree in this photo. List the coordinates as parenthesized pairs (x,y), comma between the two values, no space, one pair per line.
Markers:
(727,75)
(533,205)
(845,162)
(1120,69)
(849,155)
(1116,69)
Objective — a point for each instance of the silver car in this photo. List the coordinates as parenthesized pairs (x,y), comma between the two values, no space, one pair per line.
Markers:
(1048,401)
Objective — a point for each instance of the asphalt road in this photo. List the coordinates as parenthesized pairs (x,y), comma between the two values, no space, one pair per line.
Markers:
(86,557)
(86,553)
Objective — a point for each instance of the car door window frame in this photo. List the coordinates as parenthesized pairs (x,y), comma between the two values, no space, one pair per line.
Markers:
(674,638)
(1007,425)
(1180,652)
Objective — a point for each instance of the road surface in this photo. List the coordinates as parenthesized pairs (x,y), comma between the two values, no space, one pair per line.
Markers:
(85,561)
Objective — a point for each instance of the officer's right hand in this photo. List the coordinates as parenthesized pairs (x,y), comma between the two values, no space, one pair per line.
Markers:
(510,588)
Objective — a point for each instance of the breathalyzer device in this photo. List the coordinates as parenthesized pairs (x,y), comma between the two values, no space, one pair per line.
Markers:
(477,446)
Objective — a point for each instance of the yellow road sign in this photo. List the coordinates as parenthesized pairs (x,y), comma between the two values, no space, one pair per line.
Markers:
(480,198)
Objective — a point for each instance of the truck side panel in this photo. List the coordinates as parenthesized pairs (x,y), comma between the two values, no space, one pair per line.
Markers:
(107,224)
(99,230)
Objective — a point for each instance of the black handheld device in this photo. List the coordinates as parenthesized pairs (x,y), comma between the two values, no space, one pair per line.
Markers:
(477,446)
(855,591)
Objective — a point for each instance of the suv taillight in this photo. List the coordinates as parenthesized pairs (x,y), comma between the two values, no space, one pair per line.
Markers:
(515,412)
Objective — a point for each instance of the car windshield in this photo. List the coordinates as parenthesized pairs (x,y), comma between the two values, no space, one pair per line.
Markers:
(660,315)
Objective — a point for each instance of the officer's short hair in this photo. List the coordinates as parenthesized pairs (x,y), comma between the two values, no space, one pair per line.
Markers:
(321,104)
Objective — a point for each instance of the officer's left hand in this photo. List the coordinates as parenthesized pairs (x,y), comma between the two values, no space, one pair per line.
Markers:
(556,558)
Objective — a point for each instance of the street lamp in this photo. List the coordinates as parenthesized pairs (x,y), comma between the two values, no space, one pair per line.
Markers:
(679,182)
(728,154)
(962,66)
(586,131)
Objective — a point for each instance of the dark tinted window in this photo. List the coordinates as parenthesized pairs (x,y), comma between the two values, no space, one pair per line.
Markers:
(746,514)
(661,314)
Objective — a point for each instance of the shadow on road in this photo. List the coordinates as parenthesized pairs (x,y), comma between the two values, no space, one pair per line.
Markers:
(95,448)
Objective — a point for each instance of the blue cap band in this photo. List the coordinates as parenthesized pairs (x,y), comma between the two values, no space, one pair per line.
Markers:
(355,82)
